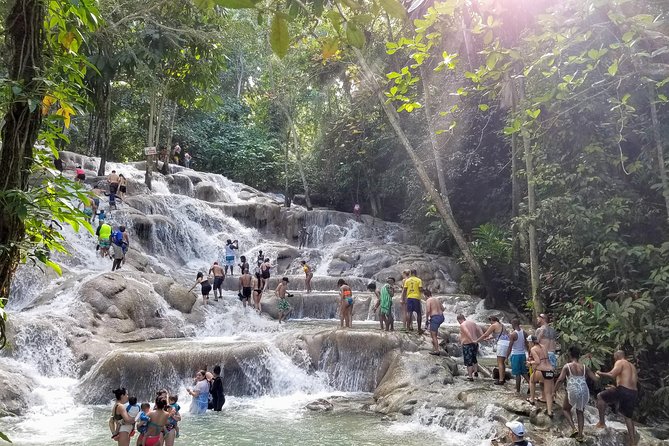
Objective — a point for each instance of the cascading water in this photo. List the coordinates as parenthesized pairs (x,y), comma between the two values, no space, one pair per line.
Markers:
(64,325)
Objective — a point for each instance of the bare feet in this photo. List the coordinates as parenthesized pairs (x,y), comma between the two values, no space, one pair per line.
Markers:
(600,425)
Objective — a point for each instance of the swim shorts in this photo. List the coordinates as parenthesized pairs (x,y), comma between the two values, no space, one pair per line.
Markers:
(548,374)
(518,364)
(624,397)
(104,243)
(435,322)
(413,305)
(502,348)
(283,305)
(81,177)
(230,260)
(122,189)
(206,289)
(218,281)
(469,353)
(113,187)
(246,292)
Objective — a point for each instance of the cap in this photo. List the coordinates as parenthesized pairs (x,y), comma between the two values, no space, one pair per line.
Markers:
(285,279)
(543,316)
(517,428)
(532,338)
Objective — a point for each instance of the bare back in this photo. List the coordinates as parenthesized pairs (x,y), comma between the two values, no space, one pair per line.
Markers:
(217,270)
(245,280)
(281,290)
(433,307)
(628,374)
(469,331)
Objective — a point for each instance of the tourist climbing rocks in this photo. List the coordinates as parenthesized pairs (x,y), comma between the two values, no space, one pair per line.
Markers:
(102,216)
(187,159)
(243,265)
(122,186)
(80,174)
(434,317)
(356,211)
(245,287)
(104,232)
(624,394)
(261,257)
(204,285)
(265,272)
(176,153)
(200,394)
(346,304)
(542,372)
(547,337)
(230,247)
(308,275)
(282,292)
(412,290)
(120,423)
(498,333)
(219,277)
(302,237)
(578,394)
(113,180)
(516,354)
(121,238)
(257,292)
(117,255)
(403,301)
(384,303)
(90,208)
(216,390)
(470,332)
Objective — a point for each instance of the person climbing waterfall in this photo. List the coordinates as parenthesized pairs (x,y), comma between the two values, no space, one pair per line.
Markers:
(308,275)
(122,186)
(403,302)
(469,332)
(117,255)
(104,238)
(230,247)
(578,394)
(547,337)
(434,317)
(412,291)
(219,278)
(302,237)
(120,423)
(245,287)
(543,372)
(113,180)
(384,303)
(282,292)
(121,238)
(216,390)
(80,174)
(346,304)
(200,394)
(257,292)
(90,208)
(205,287)
(497,332)
(516,354)
(243,265)
(265,272)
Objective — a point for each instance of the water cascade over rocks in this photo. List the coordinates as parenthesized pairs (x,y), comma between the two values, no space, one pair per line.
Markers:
(72,339)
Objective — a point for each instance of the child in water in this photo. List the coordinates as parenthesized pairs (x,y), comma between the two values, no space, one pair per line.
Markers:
(133,410)
(143,422)
(172,421)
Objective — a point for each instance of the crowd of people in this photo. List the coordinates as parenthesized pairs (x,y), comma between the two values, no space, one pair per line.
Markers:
(159,425)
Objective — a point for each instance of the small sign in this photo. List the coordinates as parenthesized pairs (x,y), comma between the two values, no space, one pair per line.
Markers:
(149,150)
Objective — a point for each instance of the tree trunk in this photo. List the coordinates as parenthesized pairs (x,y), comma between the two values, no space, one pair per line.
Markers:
(298,155)
(150,140)
(24,44)
(537,299)
(442,203)
(285,169)
(170,133)
(441,177)
(240,75)
(515,193)
(100,119)
(659,147)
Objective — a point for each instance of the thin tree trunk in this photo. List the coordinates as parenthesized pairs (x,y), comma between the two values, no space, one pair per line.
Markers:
(24,45)
(537,299)
(285,169)
(442,203)
(101,115)
(298,155)
(661,166)
(170,135)
(150,140)
(515,193)
(441,177)
(240,76)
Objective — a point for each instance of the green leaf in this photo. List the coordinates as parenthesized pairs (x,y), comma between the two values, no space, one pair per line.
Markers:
(628,36)
(5,437)
(278,36)
(53,265)
(354,35)
(613,69)
(394,8)
(483,107)
(534,114)
(236,4)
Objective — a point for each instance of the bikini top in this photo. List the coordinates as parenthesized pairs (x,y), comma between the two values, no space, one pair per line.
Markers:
(117,417)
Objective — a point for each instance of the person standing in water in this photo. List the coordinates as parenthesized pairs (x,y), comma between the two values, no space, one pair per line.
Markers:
(120,423)
(257,292)
(200,394)
(158,419)
(516,354)
(578,393)
(624,394)
(403,301)
(219,277)
(113,180)
(80,174)
(265,269)
(434,317)
(469,333)
(412,291)
(205,285)
(346,304)
(497,332)
(245,287)
(281,292)
(356,211)
(302,236)
(230,247)
(243,265)
(122,186)
(104,239)
(308,275)
(217,393)
(542,372)
(117,255)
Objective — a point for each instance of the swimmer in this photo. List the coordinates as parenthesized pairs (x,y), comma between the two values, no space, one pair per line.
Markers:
(245,287)
(120,423)
(206,287)
(346,303)
(283,305)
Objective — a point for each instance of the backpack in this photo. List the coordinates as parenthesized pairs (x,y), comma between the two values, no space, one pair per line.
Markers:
(117,238)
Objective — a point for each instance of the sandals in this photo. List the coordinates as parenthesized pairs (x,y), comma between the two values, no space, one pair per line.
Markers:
(500,383)
(530,401)
(434,353)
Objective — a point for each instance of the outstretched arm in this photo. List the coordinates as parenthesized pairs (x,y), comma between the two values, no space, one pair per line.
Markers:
(486,333)
(562,377)
(617,370)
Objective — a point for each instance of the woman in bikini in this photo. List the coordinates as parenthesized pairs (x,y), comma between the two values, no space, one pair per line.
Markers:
(543,372)
(122,422)
(206,287)
(157,421)
(257,293)
(309,274)
(497,332)
(346,303)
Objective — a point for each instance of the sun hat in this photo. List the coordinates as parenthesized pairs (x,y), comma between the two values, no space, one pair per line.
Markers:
(517,428)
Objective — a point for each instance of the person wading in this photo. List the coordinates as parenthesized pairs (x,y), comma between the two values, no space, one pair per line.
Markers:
(434,317)
(497,332)
(219,278)
(345,304)
(469,332)
(308,275)
(245,287)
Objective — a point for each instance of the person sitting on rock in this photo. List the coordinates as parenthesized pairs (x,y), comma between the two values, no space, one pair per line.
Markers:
(434,317)
(281,292)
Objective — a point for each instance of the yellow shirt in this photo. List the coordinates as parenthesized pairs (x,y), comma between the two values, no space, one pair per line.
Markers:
(413,285)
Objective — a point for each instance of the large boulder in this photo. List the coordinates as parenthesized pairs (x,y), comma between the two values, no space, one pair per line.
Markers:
(15,389)
(207,191)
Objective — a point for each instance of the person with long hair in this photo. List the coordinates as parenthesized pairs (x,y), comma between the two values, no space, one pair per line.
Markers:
(346,303)
(120,423)
(497,332)
(200,394)
(158,418)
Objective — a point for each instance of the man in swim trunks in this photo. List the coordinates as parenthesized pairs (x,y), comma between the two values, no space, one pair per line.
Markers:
(113,180)
(412,291)
(547,337)
(245,287)
(434,317)
(281,292)
(219,277)
(230,247)
(469,332)
(243,265)
(624,394)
